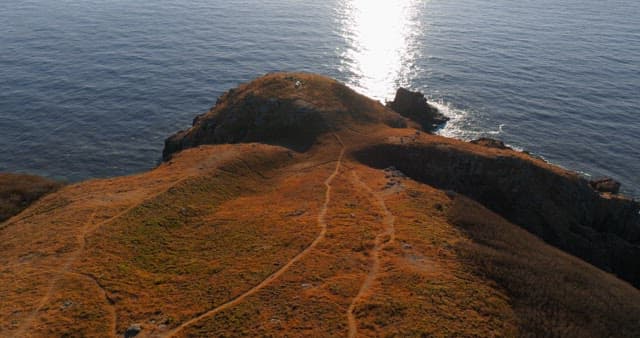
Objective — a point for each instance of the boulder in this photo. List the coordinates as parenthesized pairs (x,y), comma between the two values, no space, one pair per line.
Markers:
(608,185)
(415,106)
(490,143)
(133,330)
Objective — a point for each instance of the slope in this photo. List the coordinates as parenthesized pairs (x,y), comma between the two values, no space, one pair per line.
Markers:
(328,239)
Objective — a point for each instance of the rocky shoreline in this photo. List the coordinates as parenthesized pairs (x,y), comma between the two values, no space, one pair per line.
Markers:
(299,207)
(585,218)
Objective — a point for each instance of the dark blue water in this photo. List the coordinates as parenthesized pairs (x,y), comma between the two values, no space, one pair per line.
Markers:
(91,88)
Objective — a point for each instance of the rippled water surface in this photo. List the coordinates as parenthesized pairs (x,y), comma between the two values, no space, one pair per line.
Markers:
(91,88)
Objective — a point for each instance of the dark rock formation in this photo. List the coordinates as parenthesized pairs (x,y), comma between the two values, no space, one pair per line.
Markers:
(18,191)
(293,123)
(284,109)
(558,206)
(133,331)
(491,143)
(415,106)
(607,185)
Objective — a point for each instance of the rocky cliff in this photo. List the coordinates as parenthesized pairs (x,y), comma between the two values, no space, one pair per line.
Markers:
(415,106)
(18,191)
(291,111)
(559,206)
(297,207)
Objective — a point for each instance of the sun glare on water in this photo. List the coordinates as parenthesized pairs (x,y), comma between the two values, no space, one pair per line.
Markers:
(380,37)
(384,42)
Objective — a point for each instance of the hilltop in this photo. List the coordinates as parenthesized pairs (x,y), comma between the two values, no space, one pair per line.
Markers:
(298,207)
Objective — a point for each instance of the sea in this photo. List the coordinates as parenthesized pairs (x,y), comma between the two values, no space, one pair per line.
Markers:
(91,88)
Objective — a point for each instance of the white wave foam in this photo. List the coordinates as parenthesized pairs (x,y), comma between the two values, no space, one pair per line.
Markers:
(496,132)
(516,148)
(584,174)
(461,125)
(458,119)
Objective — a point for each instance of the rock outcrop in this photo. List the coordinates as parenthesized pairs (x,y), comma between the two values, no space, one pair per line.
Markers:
(559,206)
(18,191)
(607,185)
(290,110)
(415,106)
(491,143)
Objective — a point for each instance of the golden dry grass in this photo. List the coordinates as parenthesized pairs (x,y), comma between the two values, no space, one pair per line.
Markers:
(551,292)
(257,240)
(179,247)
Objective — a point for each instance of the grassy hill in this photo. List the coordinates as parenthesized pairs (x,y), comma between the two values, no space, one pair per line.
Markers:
(264,237)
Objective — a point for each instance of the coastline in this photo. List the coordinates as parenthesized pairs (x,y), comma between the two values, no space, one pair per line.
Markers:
(295,189)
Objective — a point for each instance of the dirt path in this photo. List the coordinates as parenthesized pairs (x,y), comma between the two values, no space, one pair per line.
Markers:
(111,310)
(87,229)
(323,230)
(26,324)
(382,240)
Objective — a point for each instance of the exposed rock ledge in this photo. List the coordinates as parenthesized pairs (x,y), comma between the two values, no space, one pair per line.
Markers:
(559,206)
(18,191)
(290,110)
(415,106)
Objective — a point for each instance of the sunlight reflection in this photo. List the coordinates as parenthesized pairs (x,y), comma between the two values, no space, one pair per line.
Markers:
(381,38)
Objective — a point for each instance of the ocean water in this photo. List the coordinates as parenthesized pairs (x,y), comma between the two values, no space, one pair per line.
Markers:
(90,88)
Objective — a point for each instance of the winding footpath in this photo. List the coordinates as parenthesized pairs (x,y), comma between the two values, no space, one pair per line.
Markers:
(87,229)
(323,230)
(381,241)
(28,322)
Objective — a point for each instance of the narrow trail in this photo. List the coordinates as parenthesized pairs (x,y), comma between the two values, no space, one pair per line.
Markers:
(323,230)
(89,278)
(87,229)
(381,241)
(26,324)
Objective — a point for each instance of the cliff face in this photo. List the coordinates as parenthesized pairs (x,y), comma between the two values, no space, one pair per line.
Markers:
(17,192)
(315,234)
(415,106)
(283,109)
(556,205)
